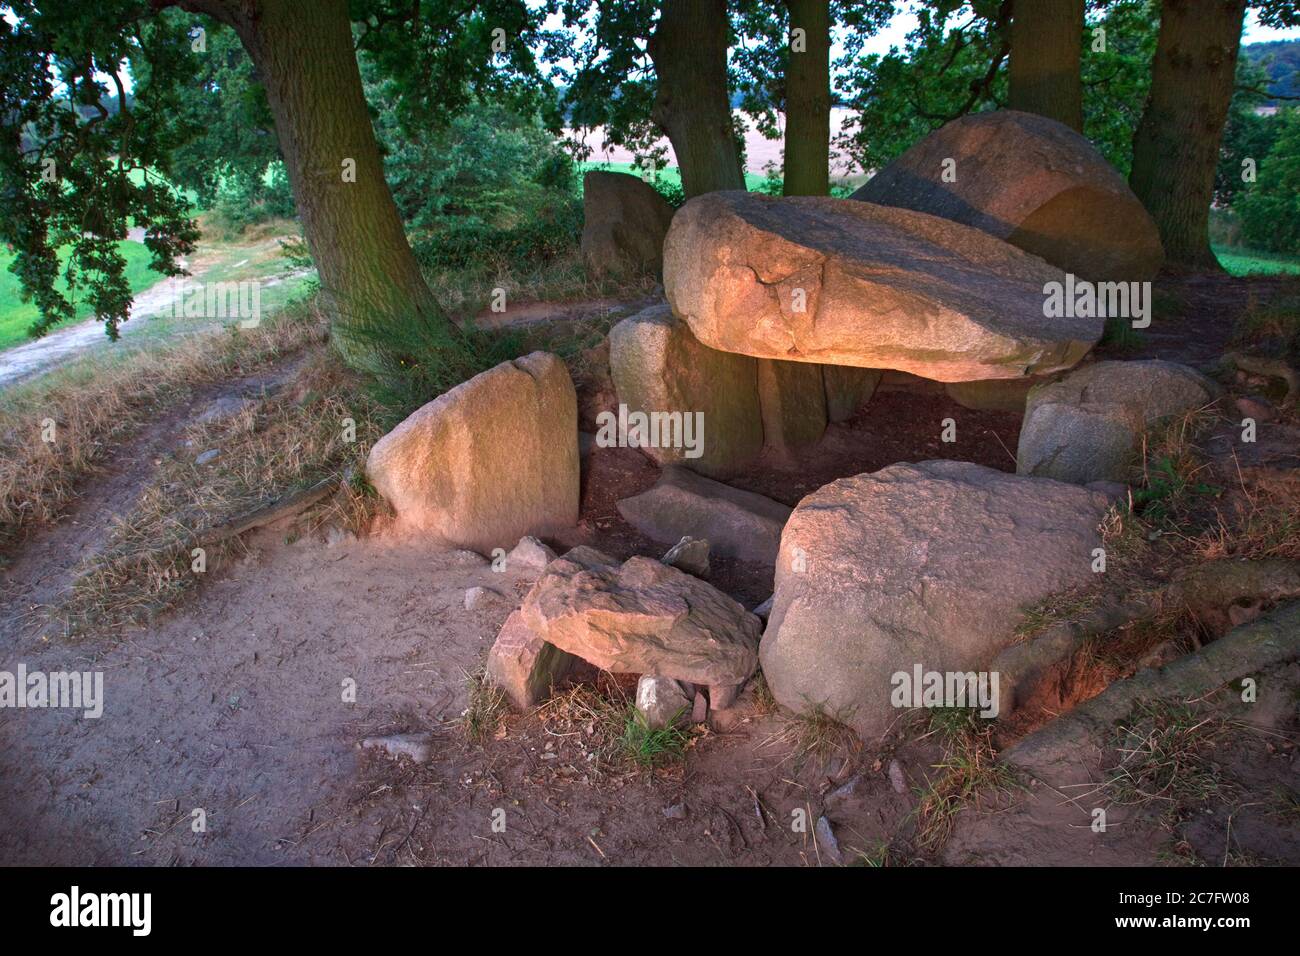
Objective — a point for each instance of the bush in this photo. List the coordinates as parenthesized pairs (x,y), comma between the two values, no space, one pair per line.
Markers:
(243,201)
(1270,209)
(490,184)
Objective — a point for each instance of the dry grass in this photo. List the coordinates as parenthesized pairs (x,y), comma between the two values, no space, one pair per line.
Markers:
(285,443)
(1164,757)
(95,404)
(969,776)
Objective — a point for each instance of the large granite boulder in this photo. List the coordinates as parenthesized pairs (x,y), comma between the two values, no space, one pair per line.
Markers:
(642,617)
(1087,426)
(624,224)
(488,462)
(660,369)
(1032,182)
(837,282)
(923,564)
(736,523)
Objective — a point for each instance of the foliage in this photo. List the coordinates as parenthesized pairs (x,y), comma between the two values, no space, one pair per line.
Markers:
(225,163)
(950,66)
(1270,209)
(489,183)
(82,160)
(954,63)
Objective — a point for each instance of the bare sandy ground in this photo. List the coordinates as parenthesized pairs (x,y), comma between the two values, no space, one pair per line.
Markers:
(233,704)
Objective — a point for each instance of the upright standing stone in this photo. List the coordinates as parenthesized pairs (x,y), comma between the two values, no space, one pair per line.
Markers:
(489,461)
(660,369)
(848,388)
(624,223)
(792,398)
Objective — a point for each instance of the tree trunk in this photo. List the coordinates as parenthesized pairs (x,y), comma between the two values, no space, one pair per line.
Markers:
(305,60)
(689,49)
(1176,146)
(1046,40)
(808,101)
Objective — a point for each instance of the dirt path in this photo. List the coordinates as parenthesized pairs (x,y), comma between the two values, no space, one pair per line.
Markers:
(234,704)
(43,354)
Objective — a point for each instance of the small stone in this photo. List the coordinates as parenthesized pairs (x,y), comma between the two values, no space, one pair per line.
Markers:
(764,609)
(826,840)
(414,747)
(210,455)
(336,536)
(228,406)
(722,696)
(463,556)
(845,790)
(479,598)
(660,701)
(523,665)
(690,555)
(897,779)
(529,555)
(1256,407)
(700,708)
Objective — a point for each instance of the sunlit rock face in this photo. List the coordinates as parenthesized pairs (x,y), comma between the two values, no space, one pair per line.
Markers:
(833,281)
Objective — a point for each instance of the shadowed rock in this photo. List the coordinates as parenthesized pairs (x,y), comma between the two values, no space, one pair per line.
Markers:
(1032,182)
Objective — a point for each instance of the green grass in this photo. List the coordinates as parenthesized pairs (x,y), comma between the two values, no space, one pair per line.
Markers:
(649,748)
(1245,262)
(16,315)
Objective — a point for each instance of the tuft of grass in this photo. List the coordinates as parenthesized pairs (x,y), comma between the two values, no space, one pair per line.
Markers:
(1163,757)
(486,710)
(968,775)
(815,733)
(648,747)
(469,290)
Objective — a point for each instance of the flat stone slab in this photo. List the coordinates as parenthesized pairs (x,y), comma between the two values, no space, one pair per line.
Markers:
(840,282)
(642,617)
(737,524)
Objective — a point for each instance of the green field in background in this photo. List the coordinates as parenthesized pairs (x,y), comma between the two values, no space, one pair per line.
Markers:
(16,315)
(1245,262)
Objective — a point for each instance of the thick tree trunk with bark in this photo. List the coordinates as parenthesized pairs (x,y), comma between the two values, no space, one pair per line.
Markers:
(1176,146)
(689,49)
(808,101)
(304,58)
(1046,40)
